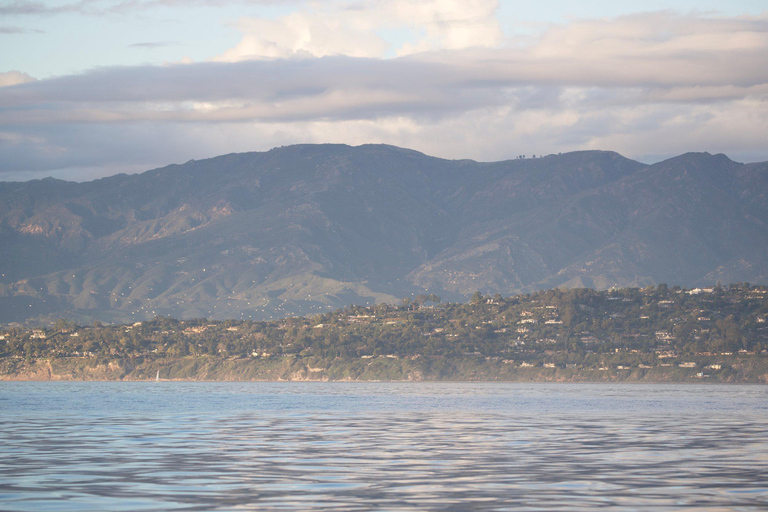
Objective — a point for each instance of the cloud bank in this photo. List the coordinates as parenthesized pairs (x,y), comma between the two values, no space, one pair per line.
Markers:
(648,85)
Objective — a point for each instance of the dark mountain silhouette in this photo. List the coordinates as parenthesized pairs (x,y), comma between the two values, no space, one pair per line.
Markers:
(304,228)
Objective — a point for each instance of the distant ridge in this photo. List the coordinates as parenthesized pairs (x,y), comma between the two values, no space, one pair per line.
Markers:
(307,228)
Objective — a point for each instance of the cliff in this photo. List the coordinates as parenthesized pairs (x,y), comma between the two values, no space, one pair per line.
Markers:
(738,369)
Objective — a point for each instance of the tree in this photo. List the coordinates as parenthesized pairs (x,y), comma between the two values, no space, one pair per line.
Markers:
(477,297)
(65,326)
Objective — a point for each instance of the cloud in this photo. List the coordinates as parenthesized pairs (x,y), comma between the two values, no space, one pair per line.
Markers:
(292,89)
(341,28)
(646,85)
(19,30)
(303,34)
(151,45)
(26,7)
(22,7)
(659,67)
(14,78)
(649,132)
(449,24)
(103,7)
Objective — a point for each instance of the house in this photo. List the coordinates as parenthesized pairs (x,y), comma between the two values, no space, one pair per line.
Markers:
(697,291)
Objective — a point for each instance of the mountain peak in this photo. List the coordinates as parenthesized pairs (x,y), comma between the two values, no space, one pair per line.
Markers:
(699,159)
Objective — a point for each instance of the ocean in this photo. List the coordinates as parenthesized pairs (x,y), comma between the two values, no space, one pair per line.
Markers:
(130,446)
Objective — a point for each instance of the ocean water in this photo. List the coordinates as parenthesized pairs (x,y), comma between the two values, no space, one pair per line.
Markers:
(77,446)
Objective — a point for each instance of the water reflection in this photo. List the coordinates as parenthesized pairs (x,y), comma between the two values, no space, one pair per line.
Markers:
(382,447)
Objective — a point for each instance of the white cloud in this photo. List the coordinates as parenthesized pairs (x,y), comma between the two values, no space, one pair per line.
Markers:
(354,29)
(652,49)
(656,34)
(449,24)
(14,78)
(304,34)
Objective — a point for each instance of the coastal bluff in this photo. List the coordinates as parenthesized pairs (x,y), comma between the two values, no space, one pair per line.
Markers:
(740,369)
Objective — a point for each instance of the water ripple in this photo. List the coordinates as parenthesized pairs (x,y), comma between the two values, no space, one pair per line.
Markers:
(385,447)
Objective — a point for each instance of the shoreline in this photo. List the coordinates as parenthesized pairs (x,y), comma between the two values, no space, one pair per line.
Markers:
(744,370)
(563,382)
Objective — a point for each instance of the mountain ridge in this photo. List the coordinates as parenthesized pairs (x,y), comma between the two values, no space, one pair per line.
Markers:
(307,228)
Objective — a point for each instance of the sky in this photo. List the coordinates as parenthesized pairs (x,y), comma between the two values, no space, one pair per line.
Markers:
(91,88)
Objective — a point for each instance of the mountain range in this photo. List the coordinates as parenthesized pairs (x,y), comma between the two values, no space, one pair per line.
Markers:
(306,228)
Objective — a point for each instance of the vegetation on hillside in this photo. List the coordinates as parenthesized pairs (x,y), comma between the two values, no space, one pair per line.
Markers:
(621,329)
(307,229)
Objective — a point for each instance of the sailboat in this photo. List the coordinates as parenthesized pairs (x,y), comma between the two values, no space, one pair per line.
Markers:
(157,377)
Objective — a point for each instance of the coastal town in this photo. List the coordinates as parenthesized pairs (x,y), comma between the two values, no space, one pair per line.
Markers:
(655,333)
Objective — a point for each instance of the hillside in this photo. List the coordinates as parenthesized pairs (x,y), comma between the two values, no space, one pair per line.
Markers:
(652,334)
(308,228)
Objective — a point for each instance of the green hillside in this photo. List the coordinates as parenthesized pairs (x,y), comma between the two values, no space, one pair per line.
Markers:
(653,333)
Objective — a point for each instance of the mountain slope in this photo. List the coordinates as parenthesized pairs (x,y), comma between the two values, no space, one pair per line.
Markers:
(304,228)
